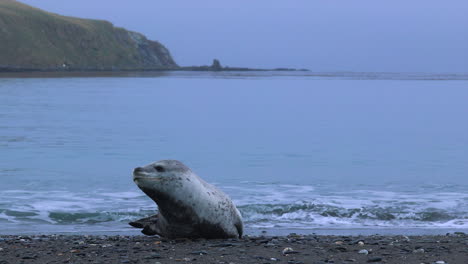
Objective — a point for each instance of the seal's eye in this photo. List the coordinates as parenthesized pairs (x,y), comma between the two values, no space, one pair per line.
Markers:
(159,168)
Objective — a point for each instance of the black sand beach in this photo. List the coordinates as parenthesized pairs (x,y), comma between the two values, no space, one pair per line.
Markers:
(291,249)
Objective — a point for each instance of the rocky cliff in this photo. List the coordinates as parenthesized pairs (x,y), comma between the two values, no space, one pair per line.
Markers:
(32,39)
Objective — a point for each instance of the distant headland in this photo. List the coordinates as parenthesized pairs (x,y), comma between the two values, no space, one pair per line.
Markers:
(35,40)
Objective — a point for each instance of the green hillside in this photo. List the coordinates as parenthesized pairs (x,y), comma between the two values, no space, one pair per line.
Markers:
(31,38)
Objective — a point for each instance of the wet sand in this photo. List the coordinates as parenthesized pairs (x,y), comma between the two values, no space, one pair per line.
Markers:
(291,249)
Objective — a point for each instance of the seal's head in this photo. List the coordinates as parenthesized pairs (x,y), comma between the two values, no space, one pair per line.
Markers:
(159,177)
(159,170)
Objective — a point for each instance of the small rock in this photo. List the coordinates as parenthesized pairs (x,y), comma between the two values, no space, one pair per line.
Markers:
(375,259)
(350,260)
(1,249)
(363,251)
(153,256)
(342,249)
(419,250)
(222,245)
(273,259)
(295,262)
(201,252)
(360,243)
(30,257)
(339,242)
(440,262)
(289,250)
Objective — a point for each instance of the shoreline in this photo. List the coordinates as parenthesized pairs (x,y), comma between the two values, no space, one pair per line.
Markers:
(339,75)
(248,231)
(175,69)
(291,249)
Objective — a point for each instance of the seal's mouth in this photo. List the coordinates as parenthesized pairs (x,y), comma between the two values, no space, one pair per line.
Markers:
(144,176)
(140,174)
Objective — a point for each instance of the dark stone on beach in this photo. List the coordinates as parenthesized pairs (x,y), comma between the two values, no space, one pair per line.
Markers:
(153,256)
(30,257)
(341,249)
(222,245)
(374,259)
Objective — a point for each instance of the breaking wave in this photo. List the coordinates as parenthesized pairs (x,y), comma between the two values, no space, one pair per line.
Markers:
(263,206)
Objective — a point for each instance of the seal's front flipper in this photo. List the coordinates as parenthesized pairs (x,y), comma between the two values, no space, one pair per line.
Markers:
(150,230)
(142,223)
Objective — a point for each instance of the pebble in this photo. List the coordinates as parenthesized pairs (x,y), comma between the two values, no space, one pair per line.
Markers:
(201,252)
(440,262)
(360,243)
(419,250)
(287,250)
(153,256)
(297,262)
(363,251)
(30,257)
(342,249)
(222,245)
(375,259)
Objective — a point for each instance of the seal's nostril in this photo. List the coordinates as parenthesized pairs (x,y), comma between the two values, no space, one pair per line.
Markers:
(138,169)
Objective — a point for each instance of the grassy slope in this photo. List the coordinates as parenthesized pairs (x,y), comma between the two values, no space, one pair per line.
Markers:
(32,38)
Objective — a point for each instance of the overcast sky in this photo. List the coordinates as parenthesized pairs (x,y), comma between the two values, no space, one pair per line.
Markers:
(323,35)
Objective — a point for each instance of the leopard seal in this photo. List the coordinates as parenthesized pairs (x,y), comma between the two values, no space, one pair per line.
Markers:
(188,206)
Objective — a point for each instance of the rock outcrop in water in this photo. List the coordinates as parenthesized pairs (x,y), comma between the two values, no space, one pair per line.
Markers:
(33,39)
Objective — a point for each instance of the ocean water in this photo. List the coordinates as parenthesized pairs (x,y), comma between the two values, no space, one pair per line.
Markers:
(311,153)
